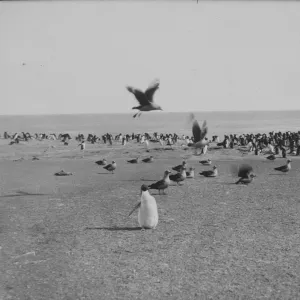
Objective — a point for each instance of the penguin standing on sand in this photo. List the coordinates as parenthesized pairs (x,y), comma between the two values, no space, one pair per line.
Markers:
(148,213)
(82,146)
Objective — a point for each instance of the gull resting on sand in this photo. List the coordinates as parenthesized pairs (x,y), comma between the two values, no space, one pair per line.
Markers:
(210,173)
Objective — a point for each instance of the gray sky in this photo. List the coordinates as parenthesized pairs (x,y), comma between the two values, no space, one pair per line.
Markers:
(79,56)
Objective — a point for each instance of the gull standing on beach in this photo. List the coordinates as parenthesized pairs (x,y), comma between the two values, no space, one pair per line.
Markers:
(179,177)
(111,167)
(148,213)
(161,184)
(286,168)
(145,99)
(82,147)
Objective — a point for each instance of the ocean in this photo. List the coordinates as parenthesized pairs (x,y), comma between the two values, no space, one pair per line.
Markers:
(219,123)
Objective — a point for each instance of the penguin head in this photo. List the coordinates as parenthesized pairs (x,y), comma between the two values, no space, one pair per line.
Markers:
(144,188)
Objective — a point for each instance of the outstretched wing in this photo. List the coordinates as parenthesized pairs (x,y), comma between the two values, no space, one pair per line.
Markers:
(196,131)
(152,89)
(244,170)
(191,118)
(203,130)
(139,95)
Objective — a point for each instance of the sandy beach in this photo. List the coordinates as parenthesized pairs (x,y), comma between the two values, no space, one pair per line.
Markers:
(71,237)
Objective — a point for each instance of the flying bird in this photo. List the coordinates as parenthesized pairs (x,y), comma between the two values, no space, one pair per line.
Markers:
(161,184)
(145,99)
(245,172)
(148,213)
(284,168)
(199,134)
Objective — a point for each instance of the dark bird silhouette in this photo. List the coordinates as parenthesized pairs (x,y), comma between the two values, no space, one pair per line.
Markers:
(145,99)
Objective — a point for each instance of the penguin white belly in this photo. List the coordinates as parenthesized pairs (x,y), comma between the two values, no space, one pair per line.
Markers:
(148,215)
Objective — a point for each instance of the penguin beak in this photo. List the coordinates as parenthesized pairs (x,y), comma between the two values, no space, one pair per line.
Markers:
(136,206)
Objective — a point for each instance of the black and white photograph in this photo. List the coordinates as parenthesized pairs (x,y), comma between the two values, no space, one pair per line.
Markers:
(150,150)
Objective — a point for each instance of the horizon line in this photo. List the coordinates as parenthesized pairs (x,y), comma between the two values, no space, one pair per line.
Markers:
(164,112)
(152,112)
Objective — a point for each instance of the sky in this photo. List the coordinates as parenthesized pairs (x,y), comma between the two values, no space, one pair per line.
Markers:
(78,56)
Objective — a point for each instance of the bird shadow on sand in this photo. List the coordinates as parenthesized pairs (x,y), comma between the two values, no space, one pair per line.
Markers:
(114,228)
(158,194)
(20,194)
(139,179)
(224,183)
(105,173)
(143,179)
(281,174)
